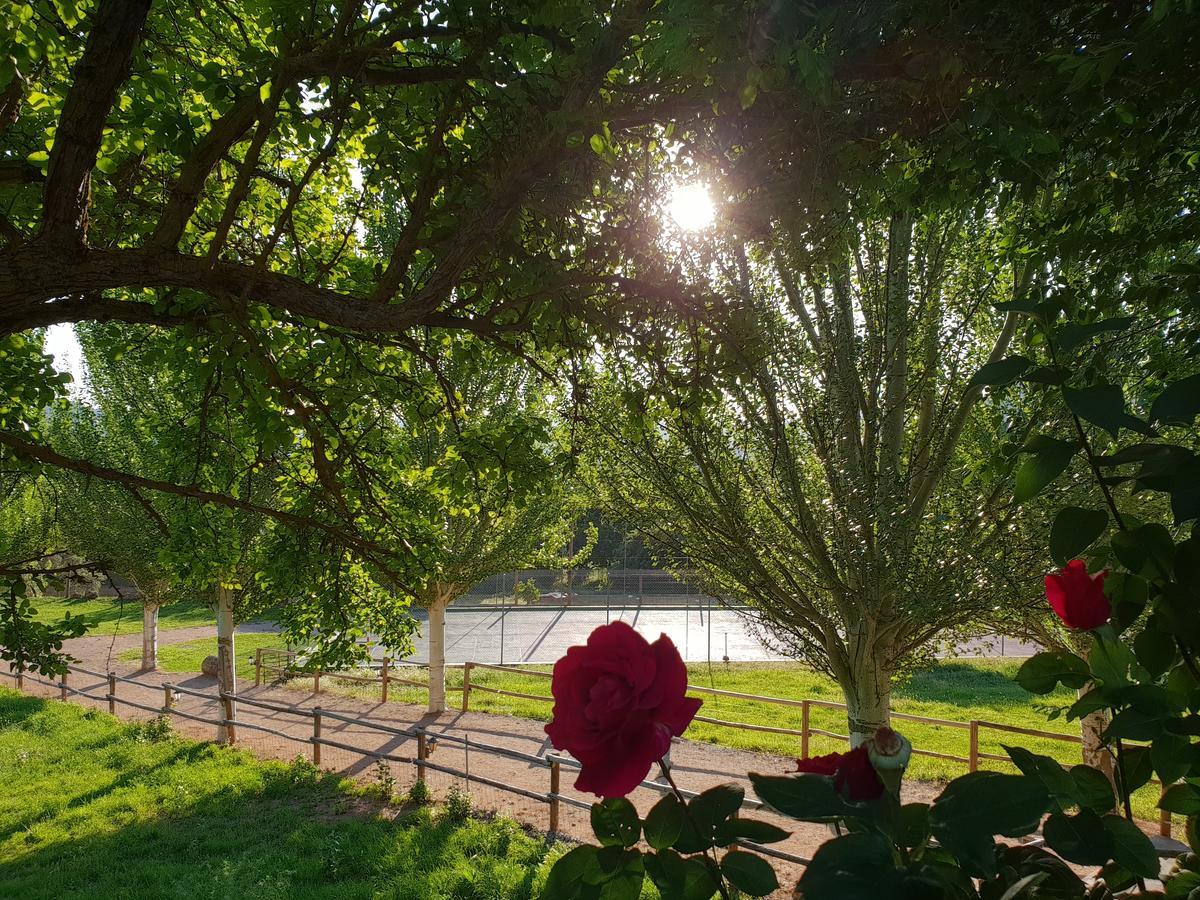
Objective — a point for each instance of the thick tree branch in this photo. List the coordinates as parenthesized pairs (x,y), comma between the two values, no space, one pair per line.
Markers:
(115,33)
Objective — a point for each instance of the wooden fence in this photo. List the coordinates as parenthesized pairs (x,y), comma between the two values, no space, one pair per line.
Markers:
(228,725)
(975,727)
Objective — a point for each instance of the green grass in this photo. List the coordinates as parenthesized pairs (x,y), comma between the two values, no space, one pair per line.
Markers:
(95,808)
(188,655)
(107,615)
(957,690)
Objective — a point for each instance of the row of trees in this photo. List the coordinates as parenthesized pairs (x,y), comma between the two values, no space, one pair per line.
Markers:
(358,284)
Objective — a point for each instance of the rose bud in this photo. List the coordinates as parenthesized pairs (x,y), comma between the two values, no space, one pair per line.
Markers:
(889,752)
(1077,597)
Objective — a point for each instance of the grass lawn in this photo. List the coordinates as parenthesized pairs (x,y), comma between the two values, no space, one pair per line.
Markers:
(187,656)
(95,808)
(955,690)
(106,615)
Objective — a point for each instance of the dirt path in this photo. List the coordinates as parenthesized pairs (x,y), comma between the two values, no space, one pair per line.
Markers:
(696,765)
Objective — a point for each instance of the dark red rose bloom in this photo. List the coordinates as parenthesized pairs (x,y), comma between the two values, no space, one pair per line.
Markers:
(856,778)
(820,765)
(853,774)
(618,701)
(1077,597)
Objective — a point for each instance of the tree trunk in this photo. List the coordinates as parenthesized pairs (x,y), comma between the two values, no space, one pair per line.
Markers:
(226,677)
(868,690)
(150,637)
(1095,754)
(437,652)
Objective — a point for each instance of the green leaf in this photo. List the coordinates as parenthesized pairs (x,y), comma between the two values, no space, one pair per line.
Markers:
(1154,648)
(1049,459)
(677,877)
(1056,780)
(854,867)
(1074,530)
(1146,550)
(1092,789)
(749,873)
(664,822)
(1042,672)
(1081,838)
(1172,756)
(809,798)
(705,813)
(1103,405)
(978,805)
(622,873)
(1179,402)
(754,830)
(1131,848)
(1000,371)
(912,829)
(1181,798)
(615,822)
(573,873)
(1072,335)
(598,144)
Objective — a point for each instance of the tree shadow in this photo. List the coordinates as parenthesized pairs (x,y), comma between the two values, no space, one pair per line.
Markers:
(962,684)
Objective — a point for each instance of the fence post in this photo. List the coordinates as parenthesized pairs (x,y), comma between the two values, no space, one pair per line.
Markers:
(804,711)
(316,682)
(257,666)
(554,776)
(973,755)
(20,679)
(62,690)
(384,674)
(466,701)
(230,727)
(168,698)
(316,735)
(1164,817)
(112,693)
(421,755)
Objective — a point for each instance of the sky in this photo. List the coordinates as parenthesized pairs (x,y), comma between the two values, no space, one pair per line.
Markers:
(62,344)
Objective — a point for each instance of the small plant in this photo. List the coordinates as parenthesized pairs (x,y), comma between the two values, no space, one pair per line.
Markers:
(385,782)
(457,807)
(153,731)
(597,579)
(526,592)
(302,769)
(418,794)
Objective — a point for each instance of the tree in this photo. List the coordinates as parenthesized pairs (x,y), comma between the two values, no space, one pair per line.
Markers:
(514,505)
(814,451)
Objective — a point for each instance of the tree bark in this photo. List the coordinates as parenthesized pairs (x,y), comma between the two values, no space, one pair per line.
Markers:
(150,637)
(226,676)
(437,652)
(1095,754)
(868,690)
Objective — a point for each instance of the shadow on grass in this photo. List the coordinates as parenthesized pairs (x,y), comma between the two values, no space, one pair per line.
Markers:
(963,684)
(179,818)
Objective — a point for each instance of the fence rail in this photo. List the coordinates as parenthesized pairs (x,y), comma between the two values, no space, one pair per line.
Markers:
(228,723)
(805,733)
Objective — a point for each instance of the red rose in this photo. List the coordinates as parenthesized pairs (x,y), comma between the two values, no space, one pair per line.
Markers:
(1077,597)
(618,701)
(853,774)
(820,765)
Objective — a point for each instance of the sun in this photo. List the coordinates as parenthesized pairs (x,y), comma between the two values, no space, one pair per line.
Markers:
(691,207)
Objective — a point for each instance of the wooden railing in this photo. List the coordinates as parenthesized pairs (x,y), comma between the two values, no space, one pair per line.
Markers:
(229,723)
(282,664)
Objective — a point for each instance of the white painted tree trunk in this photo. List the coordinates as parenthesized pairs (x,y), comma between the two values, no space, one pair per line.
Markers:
(150,637)
(437,653)
(868,700)
(226,676)
(1095,754)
